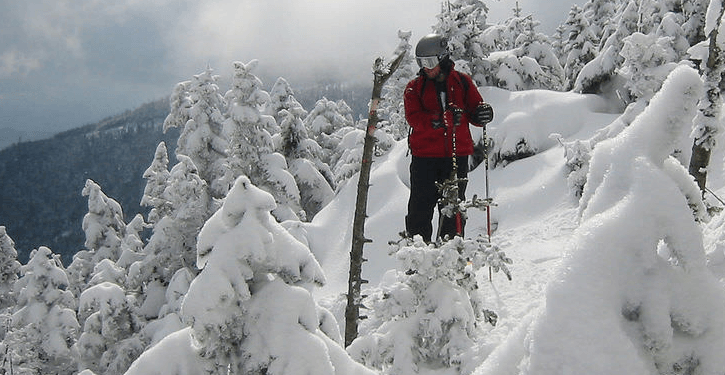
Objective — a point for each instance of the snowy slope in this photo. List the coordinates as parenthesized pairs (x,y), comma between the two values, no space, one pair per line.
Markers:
(535,220)
(534,217)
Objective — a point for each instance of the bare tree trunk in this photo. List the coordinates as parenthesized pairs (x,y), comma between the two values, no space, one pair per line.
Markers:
(381,73)
(710,112)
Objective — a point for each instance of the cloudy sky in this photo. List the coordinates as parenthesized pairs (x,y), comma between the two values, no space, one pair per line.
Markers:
(67,63)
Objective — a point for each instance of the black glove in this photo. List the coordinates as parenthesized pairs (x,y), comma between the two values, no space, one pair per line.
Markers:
(457,115)
(483,114)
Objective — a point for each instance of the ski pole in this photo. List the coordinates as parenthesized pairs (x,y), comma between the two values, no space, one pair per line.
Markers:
(456,112)
(488,197)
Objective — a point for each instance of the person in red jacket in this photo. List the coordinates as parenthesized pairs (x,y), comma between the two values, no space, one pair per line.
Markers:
(439,106)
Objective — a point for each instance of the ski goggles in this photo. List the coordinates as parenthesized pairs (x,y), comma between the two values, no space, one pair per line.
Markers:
(428,62)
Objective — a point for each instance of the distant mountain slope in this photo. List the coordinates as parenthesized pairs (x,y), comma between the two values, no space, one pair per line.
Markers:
(42,180)
(10,136)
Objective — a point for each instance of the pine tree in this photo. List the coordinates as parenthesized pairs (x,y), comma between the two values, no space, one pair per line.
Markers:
(282,97)
(104,228)
(648,59)
(172,245)
(157,177)
(603,68)
(132,244)
(196,107)
(252,151)
(103,224)
(109,343)
(707,123)
(461,22)
(248,309)
(9,270)
(580,46)
(44,325)
(323,124)
(302,155)
(392,108)
(531,62)
(423,315)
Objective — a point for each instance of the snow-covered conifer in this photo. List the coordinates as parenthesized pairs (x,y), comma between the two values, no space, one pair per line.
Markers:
(132,244)
(252,152)
(580,46)
(392,110)
(637,272)
(603,68)
(707,124)
(423,315)
(648,60)
(172,245)
(157,176)
(461,22)
(324,124)
(44,325)
(303,158)
(530,63)
(251,266)
(281,96)
(9,269)
(103,224)
(196,107)
(108,344)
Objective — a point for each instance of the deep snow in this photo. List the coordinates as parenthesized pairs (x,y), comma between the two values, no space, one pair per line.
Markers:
(582,295)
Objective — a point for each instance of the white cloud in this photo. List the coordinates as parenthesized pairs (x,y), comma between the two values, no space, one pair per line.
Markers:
(14,62)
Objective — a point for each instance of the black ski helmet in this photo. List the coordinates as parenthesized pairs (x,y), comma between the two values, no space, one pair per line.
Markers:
(431,45)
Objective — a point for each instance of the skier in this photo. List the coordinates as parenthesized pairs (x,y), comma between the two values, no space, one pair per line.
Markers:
(439,105)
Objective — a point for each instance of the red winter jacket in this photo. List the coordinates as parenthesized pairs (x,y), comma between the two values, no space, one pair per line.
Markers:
(422,107)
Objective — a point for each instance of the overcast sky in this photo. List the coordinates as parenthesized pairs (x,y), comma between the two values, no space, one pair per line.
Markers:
(67,63)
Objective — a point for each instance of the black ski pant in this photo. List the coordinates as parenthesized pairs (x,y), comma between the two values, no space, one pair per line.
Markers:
(424,173)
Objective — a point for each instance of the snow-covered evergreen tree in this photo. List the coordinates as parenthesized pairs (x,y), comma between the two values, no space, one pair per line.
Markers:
(9,269)
(105,229)
(281,96)
(252,151)
(172,245)
(530,64)
(325,124)
(648,60)
(108,344)
(303,157)
(461,22)
(196,108)
(44,326)
(638,269)
(423,315)
(248,309)
(603,68)
(132,244)
(707,124)
(157,177)
(580,45)
(392,109)
(103,224)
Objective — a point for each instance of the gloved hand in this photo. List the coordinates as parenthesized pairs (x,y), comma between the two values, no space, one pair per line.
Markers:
(457,115)
(483,114)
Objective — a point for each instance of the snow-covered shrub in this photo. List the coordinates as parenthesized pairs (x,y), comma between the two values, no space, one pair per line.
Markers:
(638,270)
(108,344)
(423,315)
(248,309)
(44,325)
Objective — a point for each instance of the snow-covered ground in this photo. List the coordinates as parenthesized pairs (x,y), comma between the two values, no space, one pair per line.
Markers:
(535,220)
(622,280)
